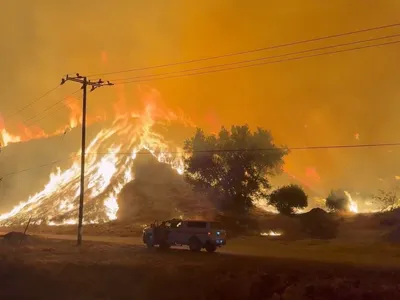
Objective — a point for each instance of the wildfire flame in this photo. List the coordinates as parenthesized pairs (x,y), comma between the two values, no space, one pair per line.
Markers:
(26,133)
(271,233)
(7,137)
(353,207)
(110,158)
(34,132)
(109,162)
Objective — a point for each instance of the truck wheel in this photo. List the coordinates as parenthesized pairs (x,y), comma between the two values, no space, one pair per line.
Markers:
(210,248)
(194,244)
(148,241)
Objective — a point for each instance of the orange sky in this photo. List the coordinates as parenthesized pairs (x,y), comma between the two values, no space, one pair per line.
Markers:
(318,101)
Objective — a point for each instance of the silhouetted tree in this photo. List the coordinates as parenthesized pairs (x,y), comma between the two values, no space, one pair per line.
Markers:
(232,167)
(287,198)
(387,200)
(337,201)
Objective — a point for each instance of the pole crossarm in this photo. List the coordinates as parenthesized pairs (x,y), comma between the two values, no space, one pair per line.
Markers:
(85,83)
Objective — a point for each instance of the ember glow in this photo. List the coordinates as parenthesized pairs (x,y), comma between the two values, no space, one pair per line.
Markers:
(270,233)
(109,162)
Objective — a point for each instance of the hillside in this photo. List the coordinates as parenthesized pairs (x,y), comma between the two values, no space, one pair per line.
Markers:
(156,188)
(158,191)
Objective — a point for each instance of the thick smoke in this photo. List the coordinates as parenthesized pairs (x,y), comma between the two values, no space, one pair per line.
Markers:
(319,101)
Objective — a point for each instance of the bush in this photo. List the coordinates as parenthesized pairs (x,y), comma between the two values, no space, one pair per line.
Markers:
(317,223)
(287,198)
(387,200)
(337,201)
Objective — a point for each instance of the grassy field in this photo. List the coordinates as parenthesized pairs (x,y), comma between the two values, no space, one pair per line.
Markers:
(376,254)
(113,264)
(50,269)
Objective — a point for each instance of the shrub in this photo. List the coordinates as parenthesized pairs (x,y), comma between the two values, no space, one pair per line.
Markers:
(317,223)
(287,198)
(387,200)
(337,201)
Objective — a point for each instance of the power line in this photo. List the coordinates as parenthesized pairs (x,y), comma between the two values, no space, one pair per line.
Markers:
(33,102)
(144,152)
(48,108)
(262,63)
(53,105)
(47,115)
(374,145)
(143,78)
(261,58)
(35,167)
(296,148)
(251,51)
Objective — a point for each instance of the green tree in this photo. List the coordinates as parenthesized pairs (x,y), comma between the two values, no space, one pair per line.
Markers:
(337,201)
(287,198)
(232,167)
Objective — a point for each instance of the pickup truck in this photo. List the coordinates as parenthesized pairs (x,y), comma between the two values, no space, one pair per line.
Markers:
(193,233)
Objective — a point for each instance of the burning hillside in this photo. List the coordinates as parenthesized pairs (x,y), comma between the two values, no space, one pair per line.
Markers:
(109,167)
(111,177)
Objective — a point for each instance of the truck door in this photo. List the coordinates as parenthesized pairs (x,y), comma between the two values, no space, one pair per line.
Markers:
(180,233)
(174,232)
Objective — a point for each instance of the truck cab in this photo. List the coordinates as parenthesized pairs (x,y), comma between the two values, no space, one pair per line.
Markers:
(196,234)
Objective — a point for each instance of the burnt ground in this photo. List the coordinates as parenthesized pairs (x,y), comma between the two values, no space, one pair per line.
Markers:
(50,269)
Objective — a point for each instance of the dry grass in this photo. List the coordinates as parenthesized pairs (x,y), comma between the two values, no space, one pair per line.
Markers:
(107,229)
(356,265)
(48,269)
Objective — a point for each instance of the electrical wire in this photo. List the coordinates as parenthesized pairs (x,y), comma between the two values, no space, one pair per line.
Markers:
(142,78)
(372,145)
(36,167)
(33,102)
(45,116)
(258,59)
(231,68)
(251,50)
(166,75)
(260,64)
(47,109)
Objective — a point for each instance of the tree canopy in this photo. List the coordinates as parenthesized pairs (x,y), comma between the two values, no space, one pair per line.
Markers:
(232,167)
(287,198)
(338,201)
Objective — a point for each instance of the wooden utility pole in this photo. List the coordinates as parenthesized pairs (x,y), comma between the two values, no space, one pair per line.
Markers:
(85,83)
